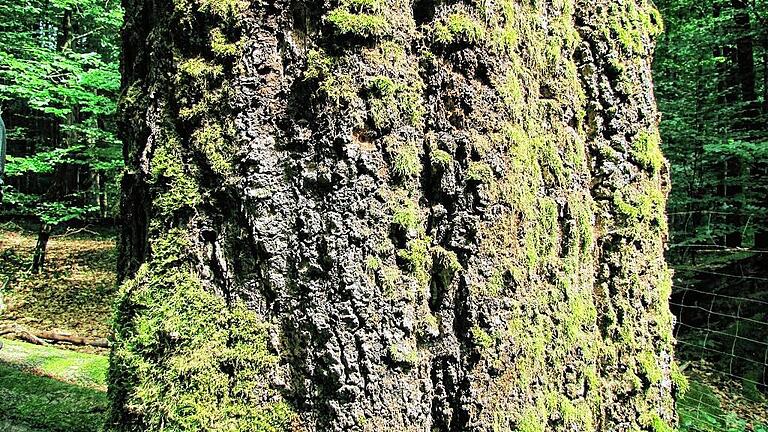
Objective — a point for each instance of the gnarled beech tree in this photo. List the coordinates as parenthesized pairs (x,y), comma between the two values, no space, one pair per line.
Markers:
(392,215)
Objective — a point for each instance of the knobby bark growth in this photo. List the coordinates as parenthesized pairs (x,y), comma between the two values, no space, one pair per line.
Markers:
(388,215)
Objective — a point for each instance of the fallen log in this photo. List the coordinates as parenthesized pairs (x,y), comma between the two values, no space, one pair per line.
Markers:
(75,340)
(19,332)
(42,337)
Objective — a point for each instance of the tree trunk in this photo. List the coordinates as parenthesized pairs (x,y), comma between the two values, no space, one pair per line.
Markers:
(101,193)
(760,176)
(38,258)
(388,216)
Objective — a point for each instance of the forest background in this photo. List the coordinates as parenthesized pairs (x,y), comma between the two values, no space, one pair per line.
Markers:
(59,98)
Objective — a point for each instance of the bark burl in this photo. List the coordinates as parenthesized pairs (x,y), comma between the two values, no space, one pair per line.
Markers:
(392,215)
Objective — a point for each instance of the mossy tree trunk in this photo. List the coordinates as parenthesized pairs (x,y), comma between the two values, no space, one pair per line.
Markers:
(388,215)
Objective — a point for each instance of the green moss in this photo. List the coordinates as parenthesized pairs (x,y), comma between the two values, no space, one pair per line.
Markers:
(180,191)
(459,27)
(210,140)
(184,359)
(391,282)
(511,90)
(679,379)
(227,10)
(581,315)
(383,86)
(631,25)
(199,68)
(408,216)
(650,367)
(337,87)
(440,158)
(542,240)
(576,416)
(431,322)
(480,338)
(407,162)
(223,8)
(340,89)
(656,423)
(418,259)
(393,103)
(220,45)
(480,171)
(403,354)
(447,262)
(642,210)
(318,65)
(582,234)
(646,149)
(372,263)
(531,420)
(360,24)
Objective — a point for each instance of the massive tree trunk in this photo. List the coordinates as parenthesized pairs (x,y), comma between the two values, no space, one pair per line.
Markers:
(381,215)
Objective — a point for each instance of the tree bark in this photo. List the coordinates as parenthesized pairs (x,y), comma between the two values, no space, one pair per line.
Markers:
(368,216)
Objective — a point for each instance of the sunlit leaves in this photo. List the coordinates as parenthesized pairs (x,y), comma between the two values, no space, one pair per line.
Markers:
(59,82)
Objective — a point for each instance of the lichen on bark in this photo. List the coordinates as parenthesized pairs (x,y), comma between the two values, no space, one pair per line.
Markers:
(392,215)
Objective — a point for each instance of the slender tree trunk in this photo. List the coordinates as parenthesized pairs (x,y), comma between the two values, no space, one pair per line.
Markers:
(761,170)
(38,258)
(101,193)
(387,216)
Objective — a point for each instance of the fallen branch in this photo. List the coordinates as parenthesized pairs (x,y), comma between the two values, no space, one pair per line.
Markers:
(42,337)
(70,232)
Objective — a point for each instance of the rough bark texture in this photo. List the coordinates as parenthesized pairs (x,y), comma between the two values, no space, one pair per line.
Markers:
(387,215)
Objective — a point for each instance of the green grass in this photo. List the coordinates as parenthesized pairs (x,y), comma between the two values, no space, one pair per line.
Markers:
(44,389)
(86,370)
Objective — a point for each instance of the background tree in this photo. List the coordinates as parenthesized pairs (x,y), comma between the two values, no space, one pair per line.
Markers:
(392,215)
(58,82)
(712,77)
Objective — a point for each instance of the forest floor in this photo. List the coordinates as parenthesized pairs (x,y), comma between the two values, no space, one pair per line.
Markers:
(61,388)
(55,388)
(73,294)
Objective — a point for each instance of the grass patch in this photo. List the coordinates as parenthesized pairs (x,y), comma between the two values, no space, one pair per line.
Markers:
(31,401)
(44,389)
(86,370)
(51,390)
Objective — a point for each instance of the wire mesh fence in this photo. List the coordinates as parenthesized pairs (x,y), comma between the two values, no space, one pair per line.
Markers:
(723,346)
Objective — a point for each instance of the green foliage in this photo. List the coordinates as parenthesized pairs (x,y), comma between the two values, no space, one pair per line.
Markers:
(714,126)
(701,410)
(59,82)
